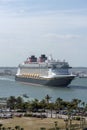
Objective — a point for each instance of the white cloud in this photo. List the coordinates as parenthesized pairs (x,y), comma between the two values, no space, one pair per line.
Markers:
(66,36)
(61,33)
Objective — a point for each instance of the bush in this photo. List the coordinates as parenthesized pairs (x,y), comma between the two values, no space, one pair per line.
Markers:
(42,128)
(54,128)
(28,115)
(77,118)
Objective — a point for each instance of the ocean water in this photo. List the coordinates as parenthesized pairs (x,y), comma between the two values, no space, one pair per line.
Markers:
(10,87)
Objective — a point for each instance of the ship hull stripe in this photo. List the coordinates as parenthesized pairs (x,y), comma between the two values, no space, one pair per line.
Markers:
(63,81)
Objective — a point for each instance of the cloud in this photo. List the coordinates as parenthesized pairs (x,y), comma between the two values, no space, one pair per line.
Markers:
(66,36)
(25,29)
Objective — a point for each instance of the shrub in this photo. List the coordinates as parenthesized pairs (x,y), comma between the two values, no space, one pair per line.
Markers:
(42,128)
(77,118)
(28,115)
(54,128)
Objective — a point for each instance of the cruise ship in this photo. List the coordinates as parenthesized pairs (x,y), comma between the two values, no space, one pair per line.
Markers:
(44,71)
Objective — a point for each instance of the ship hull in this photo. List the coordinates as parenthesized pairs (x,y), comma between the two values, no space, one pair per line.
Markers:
(58,81)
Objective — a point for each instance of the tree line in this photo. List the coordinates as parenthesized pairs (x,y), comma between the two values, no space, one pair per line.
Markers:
(34,105)
(72,108)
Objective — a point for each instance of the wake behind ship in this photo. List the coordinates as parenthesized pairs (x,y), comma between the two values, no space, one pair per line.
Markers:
(44,71)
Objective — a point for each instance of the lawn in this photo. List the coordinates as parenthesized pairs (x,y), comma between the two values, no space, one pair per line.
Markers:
(31,123)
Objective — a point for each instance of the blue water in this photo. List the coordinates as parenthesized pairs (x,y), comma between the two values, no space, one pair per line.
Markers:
(10,87)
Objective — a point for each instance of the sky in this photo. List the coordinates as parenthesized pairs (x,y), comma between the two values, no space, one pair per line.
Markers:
(35,27)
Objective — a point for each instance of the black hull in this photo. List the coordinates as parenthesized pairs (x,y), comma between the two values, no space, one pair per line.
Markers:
(59,82)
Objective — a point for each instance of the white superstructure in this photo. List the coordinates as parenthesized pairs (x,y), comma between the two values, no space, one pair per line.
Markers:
(44,68)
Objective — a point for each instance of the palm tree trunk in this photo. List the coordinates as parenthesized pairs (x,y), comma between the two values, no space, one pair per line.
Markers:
(51,113)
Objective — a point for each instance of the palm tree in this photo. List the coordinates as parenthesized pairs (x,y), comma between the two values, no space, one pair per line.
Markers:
(58,104)
(70,108)
(26,106)
(51,107)
(35,105)
(47,98)
(11,102)
(83,104)
(43,104)
(19,102)
(76,102)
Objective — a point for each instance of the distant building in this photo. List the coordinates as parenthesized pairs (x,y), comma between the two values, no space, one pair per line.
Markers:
(3,103)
